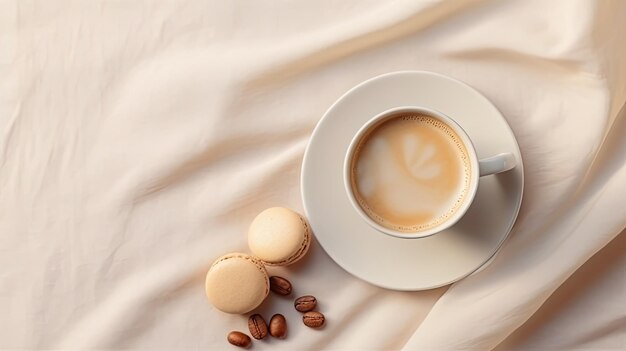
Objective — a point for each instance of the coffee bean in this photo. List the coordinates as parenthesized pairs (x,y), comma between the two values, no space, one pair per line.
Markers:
(257,326)
(238,338)
(305,303)
(278,326)
(313,319)
(280,285)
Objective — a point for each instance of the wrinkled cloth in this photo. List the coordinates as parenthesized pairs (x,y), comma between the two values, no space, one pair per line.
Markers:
(138,139)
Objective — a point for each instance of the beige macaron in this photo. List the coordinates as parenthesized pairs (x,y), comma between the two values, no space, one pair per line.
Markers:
(279,236)
(237,283)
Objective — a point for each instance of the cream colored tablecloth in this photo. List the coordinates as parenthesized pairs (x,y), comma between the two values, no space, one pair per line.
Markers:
(139,138)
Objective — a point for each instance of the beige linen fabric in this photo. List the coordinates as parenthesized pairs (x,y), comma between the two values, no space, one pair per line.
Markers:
(138,139)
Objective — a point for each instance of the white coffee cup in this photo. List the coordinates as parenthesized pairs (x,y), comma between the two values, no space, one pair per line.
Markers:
(478,168)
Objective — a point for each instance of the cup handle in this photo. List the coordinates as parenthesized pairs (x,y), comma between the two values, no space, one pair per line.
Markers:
(496,164)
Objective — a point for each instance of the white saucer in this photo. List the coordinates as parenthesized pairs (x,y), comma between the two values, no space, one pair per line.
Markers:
(410,264)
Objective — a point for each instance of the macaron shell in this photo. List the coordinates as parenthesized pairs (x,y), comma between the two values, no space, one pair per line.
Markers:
(278,236)
(237,283)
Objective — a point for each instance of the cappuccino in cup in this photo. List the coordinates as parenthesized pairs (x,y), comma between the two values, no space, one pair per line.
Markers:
(410,173)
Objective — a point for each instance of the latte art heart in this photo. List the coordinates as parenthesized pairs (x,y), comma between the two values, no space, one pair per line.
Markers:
(410,173)
(419,159)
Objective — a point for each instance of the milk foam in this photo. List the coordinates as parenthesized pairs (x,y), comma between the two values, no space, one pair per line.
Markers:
(411,173)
